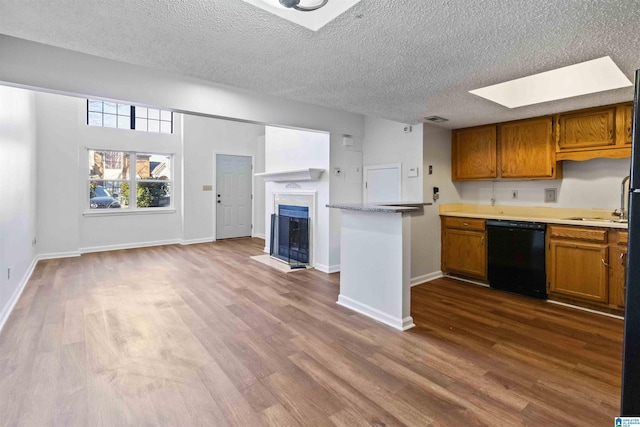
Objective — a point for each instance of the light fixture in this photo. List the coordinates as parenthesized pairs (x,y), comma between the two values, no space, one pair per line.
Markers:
(295,4)
(587,77)
(318,12)
(299,5)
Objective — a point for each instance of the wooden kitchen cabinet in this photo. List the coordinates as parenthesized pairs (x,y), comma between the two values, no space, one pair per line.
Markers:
(527,149)
(595,132)
(474,153)
(624,124)
(617,268)
(577,263)
(464,247)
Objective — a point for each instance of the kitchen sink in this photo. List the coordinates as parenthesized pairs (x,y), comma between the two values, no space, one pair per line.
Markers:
(595,219)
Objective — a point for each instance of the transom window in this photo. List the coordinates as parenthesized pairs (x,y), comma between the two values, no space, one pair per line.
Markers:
(111,180)
(125,116)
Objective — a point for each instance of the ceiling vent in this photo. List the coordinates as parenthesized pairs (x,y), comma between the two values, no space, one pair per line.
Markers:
(436,119)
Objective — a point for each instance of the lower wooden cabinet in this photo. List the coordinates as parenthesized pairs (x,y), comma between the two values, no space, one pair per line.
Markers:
(464,247)
(586,266)
(618,268)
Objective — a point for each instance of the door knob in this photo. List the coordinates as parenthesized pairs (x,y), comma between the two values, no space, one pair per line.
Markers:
(218,195)
(219,201)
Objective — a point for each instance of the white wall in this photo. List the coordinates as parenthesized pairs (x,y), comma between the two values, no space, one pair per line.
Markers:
(17,194)
(589,184)
(385,142)
(437,154)
(204,137)
(63,176)
(344,188)
(291,149)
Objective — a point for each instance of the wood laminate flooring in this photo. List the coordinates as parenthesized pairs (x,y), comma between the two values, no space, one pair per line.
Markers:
(202,335)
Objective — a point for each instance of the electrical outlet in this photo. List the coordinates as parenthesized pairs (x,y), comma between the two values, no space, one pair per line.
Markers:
(8,273)
(550,195)
(34,242)
(514,194)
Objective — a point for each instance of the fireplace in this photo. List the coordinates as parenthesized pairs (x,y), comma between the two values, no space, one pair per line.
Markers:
(292,233)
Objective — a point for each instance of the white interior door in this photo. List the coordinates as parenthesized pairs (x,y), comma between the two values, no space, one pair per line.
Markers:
(383,183)
(233,196)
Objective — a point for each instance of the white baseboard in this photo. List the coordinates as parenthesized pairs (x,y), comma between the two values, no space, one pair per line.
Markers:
(260,236)
(266,250)
(6,311)
(56,255)
(425,278)
(375,314)
(128,246)
(327,268)
(197,241)
(602,313)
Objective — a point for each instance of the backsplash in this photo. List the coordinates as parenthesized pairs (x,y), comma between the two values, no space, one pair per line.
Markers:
(589,184)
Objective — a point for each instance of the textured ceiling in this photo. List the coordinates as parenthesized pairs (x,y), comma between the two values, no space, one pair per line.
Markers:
(395,59)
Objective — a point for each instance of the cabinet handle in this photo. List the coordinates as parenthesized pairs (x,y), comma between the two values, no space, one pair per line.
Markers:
(482,240)
(629,132)
(604,262)
(610,133)
(622,255)
(465,223)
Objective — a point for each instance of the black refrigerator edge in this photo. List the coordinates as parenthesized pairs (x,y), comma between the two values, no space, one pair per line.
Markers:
(630,399)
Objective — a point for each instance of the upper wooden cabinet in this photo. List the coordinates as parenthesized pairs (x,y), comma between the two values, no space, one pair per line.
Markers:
(624,124)
(474,153)
(523,150)
(593,133)
(527,149)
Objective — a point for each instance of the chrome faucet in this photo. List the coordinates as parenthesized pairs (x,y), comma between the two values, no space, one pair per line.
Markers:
(623,214)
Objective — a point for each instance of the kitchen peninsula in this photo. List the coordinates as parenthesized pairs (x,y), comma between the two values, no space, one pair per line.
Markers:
(375,261)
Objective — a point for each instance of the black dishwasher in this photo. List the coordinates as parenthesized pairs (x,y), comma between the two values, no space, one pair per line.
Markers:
(516,257)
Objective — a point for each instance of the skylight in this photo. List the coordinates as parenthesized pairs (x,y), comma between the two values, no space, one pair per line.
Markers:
(311,20)
(587,77)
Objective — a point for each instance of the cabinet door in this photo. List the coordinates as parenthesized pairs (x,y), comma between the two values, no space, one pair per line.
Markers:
(465,252)
(587,129)
(624,124)
(579,270)
(617,269)
(474,153)
(527,149)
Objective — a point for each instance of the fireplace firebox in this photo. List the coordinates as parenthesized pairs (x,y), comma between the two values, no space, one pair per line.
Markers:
(290,235)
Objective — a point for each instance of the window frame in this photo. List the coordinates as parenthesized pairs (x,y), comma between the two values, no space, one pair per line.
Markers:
(133,116)
(133,181)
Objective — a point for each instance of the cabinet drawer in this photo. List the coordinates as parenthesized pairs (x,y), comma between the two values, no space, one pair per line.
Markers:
(464,223)
(623,237)
(593,234)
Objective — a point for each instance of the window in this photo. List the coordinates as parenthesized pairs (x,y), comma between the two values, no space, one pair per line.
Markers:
(124,116)
(111,178)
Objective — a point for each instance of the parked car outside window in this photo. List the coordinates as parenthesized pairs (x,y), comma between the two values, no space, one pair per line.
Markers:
(100,198)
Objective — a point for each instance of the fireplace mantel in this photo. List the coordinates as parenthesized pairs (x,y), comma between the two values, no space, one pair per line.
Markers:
(309,174)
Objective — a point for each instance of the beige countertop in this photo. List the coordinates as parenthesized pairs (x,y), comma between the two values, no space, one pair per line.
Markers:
(593,217)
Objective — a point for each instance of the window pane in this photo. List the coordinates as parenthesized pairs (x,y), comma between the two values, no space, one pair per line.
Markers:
(110,107)
(165,115)
(154,114)
(95,119)
(165,127)
(95,105)
(141,112)
(108,165)
(141,124)
(153,195)
(124,110)
(108,194)
(109,120)
(153,125)
(124,122)
(159,166)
